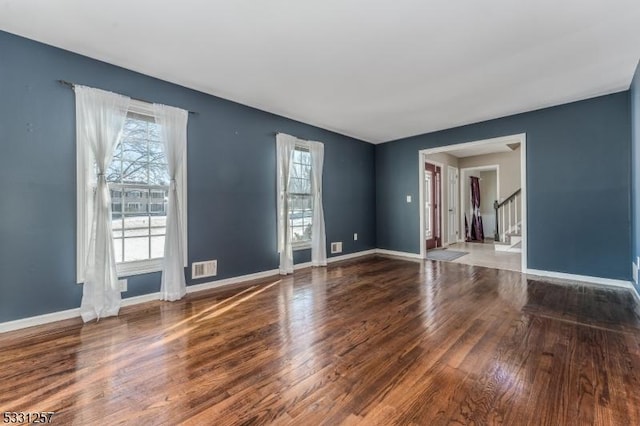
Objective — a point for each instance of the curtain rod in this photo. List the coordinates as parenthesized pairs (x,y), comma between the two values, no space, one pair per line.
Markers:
(305,140)
(72,85)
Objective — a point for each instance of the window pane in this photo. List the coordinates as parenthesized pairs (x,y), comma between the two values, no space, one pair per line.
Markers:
(300,186)
(157,247)
(154,132)
(113,171)
(158,174)
(296,155)
(136,226)
(156,152)
(135,172)
(300,204)
(136,249)
(117,246)
(117,152)
(159,221)
(158,230)
(134,149)
(297,171)
(116,225)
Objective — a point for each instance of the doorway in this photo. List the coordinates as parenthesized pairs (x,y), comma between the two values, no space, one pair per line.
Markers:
(432,205)
(466,156)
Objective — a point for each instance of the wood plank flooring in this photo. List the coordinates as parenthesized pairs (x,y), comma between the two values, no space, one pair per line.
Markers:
(375,340)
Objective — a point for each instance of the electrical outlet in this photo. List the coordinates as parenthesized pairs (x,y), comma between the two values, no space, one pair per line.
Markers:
(355,236)
(123,285)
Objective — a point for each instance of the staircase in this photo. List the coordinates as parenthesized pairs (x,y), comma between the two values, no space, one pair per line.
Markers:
(512,243)
(508,236)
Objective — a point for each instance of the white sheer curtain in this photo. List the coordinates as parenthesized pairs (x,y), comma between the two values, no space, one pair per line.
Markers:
(318,235)
(100,117)
(173,133)
(285,144)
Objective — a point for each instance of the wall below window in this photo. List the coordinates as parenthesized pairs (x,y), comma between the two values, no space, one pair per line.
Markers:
(635,167)
(578,186)
(231,178)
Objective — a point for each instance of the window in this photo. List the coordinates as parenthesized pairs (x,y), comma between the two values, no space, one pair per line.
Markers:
(300,198)
(139,185)
(139,167)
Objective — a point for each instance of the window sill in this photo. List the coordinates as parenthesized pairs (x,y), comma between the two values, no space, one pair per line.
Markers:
(139,267)
(301,246)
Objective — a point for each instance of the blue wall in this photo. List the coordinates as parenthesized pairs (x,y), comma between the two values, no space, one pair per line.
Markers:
(635,165)
(231,175)
(578,191)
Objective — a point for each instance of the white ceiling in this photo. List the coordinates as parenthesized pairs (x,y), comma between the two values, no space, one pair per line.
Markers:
(377,70)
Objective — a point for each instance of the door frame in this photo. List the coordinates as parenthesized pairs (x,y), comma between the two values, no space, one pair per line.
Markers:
(490,167)
(441,165)
(522,138)
(457,207)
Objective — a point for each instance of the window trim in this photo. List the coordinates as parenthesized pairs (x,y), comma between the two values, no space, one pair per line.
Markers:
(83,207)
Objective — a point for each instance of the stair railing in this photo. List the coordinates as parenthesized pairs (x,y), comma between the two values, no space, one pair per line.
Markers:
(507,216)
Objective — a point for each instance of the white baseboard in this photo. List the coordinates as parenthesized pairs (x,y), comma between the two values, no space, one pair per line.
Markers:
(229,281)
(39,320)
(605,282)
(399,253)
(636,295)
(336,259)
(75,313)
(298,266)
(351,255)
(129,301)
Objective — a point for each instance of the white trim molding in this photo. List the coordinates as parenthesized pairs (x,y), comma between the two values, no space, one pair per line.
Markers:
(39,320)
(399,254)
(636,295)
(351,255)
(603,282)
(230,281)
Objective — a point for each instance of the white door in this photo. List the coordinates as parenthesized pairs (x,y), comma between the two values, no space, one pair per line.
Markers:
(452,212)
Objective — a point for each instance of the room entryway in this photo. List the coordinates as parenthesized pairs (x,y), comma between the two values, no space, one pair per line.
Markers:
(473,198)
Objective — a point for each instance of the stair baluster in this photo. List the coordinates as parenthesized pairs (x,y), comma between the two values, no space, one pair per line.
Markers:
(507,221)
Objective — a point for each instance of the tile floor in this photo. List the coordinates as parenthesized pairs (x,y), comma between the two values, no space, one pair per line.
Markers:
(483,254)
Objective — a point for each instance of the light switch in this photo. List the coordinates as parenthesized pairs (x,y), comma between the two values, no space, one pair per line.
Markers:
(408,198)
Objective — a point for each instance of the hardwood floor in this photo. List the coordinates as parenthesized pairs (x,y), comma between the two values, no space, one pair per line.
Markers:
(371,341)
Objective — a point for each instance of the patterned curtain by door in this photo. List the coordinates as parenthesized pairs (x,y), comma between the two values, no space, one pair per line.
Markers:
(475,233)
